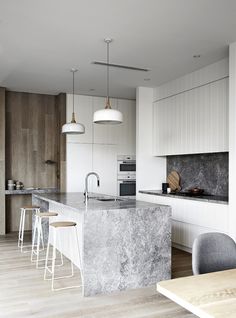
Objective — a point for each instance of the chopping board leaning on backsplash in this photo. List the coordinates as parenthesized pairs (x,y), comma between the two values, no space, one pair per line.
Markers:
(174,181)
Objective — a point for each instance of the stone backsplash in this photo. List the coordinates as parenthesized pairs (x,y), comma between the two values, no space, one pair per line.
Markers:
(207,171)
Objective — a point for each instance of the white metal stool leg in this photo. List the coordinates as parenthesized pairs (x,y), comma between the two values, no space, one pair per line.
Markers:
(52,270)
(22,227)
(39,231)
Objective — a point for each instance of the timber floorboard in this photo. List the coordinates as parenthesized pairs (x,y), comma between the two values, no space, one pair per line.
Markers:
(24,293)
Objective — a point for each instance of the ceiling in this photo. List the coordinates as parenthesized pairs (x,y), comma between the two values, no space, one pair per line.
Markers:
(40,40)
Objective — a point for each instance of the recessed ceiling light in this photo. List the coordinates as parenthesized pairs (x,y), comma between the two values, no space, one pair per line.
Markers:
(196,56)
(146,79)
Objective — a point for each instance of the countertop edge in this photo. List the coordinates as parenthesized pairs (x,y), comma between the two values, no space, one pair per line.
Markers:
(150,192)
(33,191)
(41,196)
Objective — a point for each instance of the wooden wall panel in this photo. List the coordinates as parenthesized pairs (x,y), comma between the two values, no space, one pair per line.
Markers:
(61,112)
(2,162)
(32,137)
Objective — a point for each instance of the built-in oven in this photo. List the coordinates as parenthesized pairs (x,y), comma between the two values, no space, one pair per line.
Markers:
(126,185)
(126,164)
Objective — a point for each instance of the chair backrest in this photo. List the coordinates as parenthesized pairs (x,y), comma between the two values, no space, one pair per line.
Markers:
(213,252)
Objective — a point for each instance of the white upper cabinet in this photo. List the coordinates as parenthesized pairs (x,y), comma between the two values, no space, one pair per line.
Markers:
(83,115)
(194,121)
(79,163)
(126,132)
(105,164)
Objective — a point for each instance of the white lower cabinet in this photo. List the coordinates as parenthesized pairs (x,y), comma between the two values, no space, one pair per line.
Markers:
(191,218)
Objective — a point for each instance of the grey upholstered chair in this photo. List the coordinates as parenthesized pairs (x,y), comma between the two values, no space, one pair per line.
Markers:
(213,252)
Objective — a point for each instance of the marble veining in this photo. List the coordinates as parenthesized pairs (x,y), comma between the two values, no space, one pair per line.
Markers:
(125,244)
(207,171)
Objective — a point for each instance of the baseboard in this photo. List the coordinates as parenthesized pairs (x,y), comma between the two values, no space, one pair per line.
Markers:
(181,247)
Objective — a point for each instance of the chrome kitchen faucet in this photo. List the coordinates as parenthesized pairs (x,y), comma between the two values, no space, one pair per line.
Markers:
(86,183)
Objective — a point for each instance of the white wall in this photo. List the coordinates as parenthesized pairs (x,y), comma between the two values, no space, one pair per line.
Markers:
(232,140)
(98,148)
(151,171)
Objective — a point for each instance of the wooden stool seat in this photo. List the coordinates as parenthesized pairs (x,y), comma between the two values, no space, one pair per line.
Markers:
(46,214)
(63,224)
(31,207)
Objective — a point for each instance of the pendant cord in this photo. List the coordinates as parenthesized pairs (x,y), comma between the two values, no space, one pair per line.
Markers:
(73,91)
(108,71)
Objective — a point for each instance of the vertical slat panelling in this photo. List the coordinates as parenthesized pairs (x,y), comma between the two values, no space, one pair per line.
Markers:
(202,76)
(195,121)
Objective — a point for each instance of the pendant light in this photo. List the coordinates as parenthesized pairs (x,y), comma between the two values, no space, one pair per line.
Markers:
(107,115)
(73,127)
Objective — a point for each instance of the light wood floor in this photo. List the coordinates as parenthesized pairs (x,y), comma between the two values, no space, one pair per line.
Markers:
(23,293)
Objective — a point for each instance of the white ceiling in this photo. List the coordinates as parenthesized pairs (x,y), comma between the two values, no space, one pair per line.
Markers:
(40,40)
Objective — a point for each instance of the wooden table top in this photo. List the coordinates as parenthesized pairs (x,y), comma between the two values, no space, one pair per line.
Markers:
(207,296)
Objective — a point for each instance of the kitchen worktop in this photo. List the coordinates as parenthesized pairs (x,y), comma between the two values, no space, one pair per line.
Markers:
(123,243)
(76,201)
(31,191)
(203,197)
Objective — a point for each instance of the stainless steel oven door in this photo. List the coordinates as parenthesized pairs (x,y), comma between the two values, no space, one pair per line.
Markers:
(126,187)
(125,167)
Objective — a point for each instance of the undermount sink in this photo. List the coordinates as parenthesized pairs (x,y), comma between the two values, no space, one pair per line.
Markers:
(105,199)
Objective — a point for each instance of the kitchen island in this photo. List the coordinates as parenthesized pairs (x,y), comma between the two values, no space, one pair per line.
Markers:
(124,243)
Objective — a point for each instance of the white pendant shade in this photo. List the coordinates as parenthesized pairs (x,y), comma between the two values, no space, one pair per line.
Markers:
(73,128)
(108,116)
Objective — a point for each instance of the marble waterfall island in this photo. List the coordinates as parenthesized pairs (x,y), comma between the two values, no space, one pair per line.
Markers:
(124,243)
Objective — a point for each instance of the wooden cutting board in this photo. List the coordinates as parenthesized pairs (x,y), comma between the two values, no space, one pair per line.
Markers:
(174,181)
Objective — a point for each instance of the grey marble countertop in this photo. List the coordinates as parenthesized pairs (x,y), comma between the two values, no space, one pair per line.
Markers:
(31,191)
(75,201)
(205,198)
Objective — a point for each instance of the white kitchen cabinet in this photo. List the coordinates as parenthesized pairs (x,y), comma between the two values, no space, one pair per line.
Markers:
(84,158)
(98,148)
(126,132)
(105,164)
(79,163)
(83,114)
(191,218)
(194,121)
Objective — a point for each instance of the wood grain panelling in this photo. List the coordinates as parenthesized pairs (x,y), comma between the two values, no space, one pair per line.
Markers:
(32,137)
(61,112)
(2,162)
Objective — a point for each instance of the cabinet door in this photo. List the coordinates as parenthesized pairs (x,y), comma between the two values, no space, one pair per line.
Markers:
(83,115)
(105,164)
(192,122)
(79,163)
(126,132)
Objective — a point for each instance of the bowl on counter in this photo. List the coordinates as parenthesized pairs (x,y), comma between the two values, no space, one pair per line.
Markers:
(196,191)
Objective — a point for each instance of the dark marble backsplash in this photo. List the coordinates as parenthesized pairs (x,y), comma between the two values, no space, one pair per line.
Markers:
(207,171)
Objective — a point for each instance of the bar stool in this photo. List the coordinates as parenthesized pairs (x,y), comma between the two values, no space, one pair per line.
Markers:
(53,229)
(39,232)
(30,208)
